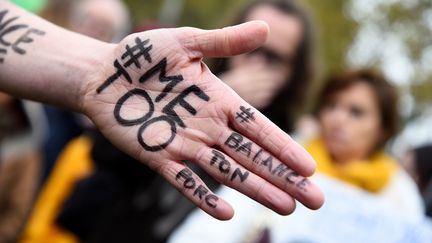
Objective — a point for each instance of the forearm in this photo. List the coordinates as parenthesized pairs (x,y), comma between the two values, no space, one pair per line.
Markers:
(43,62)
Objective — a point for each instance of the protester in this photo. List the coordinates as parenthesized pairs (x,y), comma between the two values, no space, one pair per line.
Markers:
(357,112)
(274,78)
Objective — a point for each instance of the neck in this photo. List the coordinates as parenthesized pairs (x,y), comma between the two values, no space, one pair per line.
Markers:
(343,159)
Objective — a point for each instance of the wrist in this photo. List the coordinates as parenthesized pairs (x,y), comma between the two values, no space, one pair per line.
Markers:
(90,64)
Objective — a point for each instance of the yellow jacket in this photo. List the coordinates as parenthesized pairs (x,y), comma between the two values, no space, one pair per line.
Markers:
(73,164)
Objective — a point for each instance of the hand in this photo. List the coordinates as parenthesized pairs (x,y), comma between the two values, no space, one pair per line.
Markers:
(255,82)
(155,99)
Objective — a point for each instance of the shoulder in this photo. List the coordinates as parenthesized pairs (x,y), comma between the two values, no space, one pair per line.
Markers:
(402,194)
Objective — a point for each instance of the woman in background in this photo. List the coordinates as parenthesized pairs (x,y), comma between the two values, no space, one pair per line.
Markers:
(275,77)
(357,113)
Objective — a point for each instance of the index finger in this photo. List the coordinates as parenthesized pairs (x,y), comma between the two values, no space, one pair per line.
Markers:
(258,128)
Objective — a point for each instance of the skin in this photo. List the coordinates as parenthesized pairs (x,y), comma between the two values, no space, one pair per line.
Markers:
(351,124)
(253,77)
(65,69)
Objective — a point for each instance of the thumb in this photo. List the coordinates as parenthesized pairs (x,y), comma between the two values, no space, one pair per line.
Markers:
(228,41)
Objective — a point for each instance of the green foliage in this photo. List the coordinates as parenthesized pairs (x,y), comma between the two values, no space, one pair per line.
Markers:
(143,10)
(408,22)
(209,14)
(335,32)
(202,14)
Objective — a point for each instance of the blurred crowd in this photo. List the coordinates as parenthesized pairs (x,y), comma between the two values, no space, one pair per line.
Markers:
(62,181)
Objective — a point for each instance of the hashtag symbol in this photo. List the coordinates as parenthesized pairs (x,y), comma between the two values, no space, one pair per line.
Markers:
(134,53)
(245,114)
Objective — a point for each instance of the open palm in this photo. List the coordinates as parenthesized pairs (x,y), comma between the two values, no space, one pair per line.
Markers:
(156,100)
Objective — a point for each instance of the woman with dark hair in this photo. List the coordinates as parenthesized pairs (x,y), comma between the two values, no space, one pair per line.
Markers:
(357,113)
(275,77)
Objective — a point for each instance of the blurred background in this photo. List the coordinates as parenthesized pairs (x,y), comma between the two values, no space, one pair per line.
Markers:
(52,161)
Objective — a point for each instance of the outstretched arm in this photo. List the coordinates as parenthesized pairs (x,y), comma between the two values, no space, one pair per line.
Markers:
(43,62)
(154,98)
